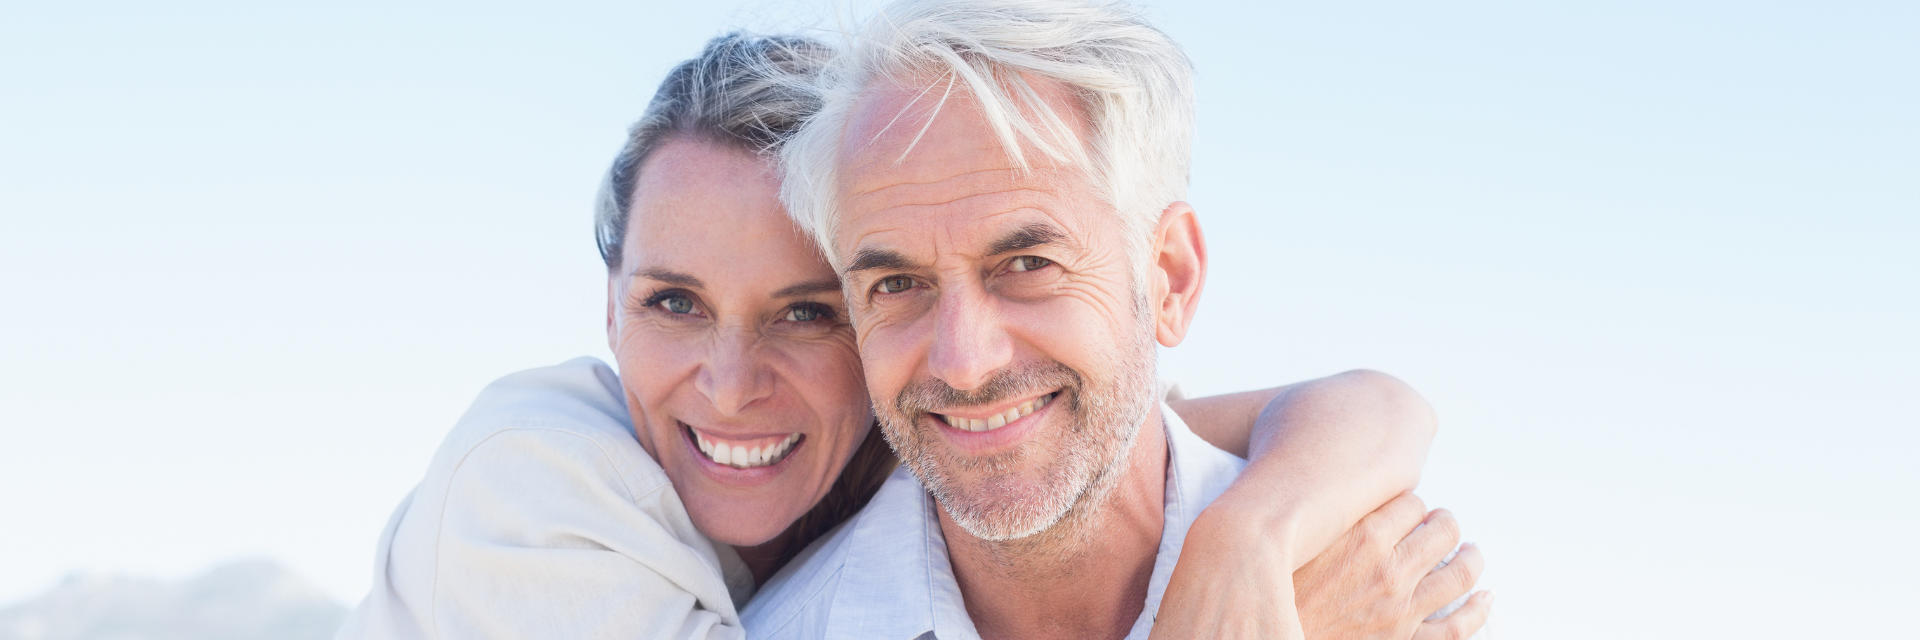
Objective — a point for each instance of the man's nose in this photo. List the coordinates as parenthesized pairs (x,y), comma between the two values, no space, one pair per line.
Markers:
(970,340)
(734,375)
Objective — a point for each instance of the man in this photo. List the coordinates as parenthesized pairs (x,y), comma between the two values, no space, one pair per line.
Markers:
(1001,189)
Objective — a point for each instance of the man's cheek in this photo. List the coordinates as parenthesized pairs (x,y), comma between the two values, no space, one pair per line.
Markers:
(885,360)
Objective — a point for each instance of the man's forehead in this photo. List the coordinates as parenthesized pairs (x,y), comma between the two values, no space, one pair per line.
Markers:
(923,128)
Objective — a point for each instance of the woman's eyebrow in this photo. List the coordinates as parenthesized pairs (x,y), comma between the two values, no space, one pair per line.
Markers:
(808,288)
(671,277)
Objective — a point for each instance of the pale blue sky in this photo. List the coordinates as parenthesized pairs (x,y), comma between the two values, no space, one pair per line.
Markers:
(1653,262)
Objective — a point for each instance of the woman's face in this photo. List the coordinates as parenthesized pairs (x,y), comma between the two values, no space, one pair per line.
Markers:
(733,344)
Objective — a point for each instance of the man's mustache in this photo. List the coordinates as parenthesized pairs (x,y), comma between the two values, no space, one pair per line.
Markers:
(926,396)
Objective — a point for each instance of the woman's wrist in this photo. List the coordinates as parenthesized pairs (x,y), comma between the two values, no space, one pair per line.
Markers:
(1253,524)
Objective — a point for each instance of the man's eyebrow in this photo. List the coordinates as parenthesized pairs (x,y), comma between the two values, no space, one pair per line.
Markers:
(866,259)
(808,288)
(1027,237)
(670,277)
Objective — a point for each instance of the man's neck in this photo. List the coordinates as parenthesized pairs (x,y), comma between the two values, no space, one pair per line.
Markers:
(1086,576)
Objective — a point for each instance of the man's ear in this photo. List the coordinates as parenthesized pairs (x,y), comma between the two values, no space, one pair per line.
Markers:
(1178,272)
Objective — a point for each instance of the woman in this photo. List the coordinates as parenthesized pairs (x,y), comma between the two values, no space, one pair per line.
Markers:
(741,385)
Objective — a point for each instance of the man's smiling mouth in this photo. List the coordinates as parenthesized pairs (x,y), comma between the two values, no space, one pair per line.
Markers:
(998,420)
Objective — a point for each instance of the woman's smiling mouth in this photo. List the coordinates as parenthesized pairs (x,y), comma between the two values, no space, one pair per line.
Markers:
(742,454)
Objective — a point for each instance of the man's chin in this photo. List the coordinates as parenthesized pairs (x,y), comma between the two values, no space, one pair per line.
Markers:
(1002,506)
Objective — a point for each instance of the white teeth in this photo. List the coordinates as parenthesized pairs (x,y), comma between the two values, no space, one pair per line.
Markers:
(741,457)
(997,421)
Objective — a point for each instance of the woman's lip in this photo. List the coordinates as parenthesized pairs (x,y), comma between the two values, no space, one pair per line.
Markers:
(744,440)
(732,475)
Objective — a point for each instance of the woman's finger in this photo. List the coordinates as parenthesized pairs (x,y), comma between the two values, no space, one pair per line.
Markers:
(1427,546)
(1462,623)
(1448,583)
(1390,523)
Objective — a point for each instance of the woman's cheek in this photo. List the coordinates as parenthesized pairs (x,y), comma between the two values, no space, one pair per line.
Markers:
(653,365)
(829,372)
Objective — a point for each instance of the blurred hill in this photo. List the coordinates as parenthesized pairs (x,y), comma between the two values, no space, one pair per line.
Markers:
(242,600)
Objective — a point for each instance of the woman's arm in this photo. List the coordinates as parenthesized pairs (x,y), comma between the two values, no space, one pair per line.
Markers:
(540,517)
(1324,453)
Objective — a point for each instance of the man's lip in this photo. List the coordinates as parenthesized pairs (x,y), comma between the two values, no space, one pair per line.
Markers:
(994,440)
(982,413)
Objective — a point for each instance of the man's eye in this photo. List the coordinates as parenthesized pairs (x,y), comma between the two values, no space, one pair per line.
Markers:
(1029,263)
(808,313)
(895,284)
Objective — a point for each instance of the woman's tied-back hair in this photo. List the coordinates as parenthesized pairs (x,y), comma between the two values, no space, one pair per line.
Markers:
(1133,88)
(743,91)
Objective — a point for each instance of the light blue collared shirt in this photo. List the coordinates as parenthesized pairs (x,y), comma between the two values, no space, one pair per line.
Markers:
(884,574)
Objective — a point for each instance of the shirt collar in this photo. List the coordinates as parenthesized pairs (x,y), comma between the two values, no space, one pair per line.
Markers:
(1197,472)
(897,582)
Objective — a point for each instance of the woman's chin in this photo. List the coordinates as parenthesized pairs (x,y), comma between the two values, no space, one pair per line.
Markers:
(741,525)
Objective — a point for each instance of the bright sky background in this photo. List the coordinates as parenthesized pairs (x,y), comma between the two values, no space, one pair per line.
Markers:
(1655,264)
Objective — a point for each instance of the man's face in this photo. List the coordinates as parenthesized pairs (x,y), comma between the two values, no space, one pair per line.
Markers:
(1007,348)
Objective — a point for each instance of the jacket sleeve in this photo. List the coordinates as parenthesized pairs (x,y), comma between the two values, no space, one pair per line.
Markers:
(543,534)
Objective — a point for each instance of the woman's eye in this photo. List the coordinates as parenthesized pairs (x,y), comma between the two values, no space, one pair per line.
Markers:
(808,313)
(895,284)
(1029,263)
(673,302)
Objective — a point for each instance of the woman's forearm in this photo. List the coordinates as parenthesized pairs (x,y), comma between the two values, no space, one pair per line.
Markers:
(1323,454)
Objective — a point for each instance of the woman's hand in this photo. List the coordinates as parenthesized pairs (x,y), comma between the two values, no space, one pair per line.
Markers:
(1379,579)
(1324,453)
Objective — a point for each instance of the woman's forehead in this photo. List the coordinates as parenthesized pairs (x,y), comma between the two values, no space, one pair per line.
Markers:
(713,212)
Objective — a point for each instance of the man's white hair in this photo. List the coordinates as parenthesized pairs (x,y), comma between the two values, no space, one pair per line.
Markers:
(1133,85)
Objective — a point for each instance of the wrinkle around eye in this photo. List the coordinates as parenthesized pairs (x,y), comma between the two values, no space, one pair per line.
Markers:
(1098,291)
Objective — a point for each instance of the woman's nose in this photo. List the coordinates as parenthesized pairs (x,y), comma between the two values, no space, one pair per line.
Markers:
(734,375)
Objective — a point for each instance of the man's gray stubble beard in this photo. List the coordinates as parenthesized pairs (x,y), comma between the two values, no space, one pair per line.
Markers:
(1057,515)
